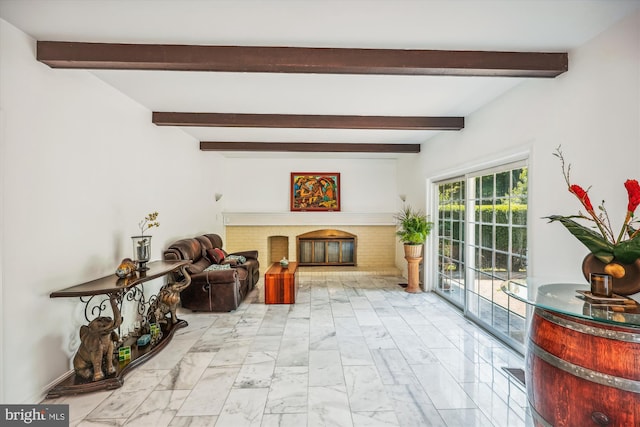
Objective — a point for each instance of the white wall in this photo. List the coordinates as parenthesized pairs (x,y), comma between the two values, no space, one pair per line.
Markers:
(367,185)
(593,111)
(81,166)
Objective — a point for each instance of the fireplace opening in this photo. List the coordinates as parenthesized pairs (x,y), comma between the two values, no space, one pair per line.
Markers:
(327,247)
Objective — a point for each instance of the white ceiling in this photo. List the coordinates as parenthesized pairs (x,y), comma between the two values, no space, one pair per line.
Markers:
(511,25)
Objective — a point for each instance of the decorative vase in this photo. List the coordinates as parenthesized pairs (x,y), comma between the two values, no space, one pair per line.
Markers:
(627,284)
(284,262)
(141,251)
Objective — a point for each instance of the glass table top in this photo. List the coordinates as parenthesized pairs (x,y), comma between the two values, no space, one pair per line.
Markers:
(565,298)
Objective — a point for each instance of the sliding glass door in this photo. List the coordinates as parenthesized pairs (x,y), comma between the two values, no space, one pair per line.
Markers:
(451,228)
(482,241)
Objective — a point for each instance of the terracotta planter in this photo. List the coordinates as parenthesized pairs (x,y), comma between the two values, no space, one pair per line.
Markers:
(413,251)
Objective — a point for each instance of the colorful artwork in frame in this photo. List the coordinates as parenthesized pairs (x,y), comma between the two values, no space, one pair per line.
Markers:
(315,191)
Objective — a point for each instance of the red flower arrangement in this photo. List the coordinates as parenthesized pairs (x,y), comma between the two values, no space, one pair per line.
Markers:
(610,248)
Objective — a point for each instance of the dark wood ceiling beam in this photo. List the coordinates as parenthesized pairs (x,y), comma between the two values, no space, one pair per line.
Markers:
(309,147)
(262,59)
(306,121)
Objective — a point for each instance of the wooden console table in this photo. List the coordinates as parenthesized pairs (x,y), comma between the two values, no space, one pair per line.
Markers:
(281,284)
(129,289)
(582,357)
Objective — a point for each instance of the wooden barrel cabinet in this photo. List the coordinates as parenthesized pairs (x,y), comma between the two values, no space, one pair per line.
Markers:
(582,360)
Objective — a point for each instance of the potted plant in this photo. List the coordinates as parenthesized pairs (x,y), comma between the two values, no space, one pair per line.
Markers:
(413,230)
(616,253)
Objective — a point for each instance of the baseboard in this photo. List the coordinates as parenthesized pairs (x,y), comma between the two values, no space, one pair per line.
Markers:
(43,392)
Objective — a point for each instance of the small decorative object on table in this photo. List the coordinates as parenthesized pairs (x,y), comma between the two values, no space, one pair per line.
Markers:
(155,332)
(96,345)
(127,268)
(617,255)
(142,243)
(284,262)
(124,353)
(601,284)
(144,340)
(166,302)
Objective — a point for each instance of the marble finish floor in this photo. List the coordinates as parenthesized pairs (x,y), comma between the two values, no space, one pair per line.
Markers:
(355,350)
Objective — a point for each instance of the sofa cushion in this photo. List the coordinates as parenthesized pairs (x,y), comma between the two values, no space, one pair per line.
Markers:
(216,240)
(189,249)
(205,243)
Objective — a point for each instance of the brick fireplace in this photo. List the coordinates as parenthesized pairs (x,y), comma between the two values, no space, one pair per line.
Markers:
(275,235)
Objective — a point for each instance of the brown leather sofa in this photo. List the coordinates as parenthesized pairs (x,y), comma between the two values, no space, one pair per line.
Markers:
(214,290)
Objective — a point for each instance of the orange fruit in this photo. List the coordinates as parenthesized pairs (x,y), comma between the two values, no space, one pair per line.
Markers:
(615,270)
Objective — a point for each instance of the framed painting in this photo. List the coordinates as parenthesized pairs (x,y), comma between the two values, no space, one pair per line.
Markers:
(315,191)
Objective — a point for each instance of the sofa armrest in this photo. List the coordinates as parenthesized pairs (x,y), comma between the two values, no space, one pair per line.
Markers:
(243,271)
(247,254)
(172,255)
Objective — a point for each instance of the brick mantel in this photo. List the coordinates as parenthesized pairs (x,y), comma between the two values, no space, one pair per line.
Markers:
(307,218)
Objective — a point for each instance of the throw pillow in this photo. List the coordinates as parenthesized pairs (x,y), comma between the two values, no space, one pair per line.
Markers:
(214,256)
(215,267)
(239,258)
(222,254)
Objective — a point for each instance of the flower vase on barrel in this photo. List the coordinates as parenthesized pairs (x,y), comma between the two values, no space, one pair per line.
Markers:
(615,254)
